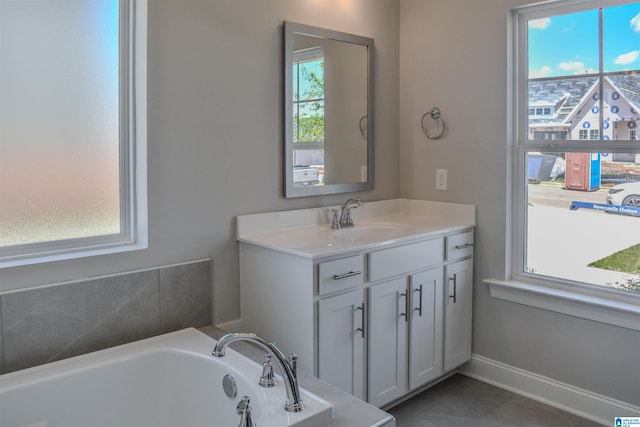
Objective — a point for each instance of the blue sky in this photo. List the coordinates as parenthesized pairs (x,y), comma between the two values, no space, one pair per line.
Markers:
(569,44)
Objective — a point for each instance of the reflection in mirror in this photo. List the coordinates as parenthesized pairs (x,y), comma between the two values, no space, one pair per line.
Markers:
(328,111)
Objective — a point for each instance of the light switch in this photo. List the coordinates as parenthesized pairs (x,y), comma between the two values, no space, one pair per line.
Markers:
(441,179)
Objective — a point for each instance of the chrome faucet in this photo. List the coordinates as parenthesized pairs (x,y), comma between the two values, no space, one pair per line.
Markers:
(244,410)
(346,219)
(288,365)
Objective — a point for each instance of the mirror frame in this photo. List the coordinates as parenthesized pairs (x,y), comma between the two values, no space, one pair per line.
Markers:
(289,29)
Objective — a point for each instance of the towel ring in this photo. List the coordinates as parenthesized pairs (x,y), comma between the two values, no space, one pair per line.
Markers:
(435,115)
(362,125)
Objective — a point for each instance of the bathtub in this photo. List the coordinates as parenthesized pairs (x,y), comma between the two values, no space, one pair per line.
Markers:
(167,381)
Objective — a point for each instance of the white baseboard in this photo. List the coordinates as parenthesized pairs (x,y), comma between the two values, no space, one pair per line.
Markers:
(589,405)
(232,326)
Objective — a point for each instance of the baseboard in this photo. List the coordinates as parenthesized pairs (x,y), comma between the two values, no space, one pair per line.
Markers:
(231,326)
(589,405)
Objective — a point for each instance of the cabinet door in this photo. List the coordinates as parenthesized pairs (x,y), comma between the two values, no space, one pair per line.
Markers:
(341,335)
(425,327)
(457,323)
(388,341)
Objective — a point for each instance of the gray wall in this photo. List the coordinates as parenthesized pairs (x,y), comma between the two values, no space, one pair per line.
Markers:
(215,131)
(454,55)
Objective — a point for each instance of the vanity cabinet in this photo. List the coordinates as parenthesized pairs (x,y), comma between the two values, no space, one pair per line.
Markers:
(341,342)
(378,321)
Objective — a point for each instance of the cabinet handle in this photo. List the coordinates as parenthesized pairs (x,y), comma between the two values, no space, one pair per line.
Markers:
(406,306)
(345,275)
(465,246)
(361,330)
(455,280)
(419,309)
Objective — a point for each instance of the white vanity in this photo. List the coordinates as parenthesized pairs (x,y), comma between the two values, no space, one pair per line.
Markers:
(379,309)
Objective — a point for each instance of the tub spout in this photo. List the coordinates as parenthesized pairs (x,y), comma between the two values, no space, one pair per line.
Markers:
(288,365)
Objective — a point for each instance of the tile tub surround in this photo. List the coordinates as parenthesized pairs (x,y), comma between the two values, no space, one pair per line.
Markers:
(64,320)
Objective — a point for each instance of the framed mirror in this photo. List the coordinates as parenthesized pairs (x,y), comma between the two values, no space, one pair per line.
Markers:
(328,111)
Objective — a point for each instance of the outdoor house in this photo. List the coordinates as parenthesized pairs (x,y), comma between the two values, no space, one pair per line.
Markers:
(569,108)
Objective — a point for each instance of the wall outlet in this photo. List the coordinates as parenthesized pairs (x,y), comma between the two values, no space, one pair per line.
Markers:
(441,179)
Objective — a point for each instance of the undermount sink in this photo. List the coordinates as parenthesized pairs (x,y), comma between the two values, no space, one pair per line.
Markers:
(371,231)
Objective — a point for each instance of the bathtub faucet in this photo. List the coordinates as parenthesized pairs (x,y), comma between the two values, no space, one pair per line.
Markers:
(288,365)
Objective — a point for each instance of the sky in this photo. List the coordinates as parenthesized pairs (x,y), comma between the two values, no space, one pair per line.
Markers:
(565,45)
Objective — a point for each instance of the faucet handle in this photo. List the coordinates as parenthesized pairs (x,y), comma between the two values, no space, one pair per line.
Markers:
(268,379)
(244,410)
(335,223)
(293,363)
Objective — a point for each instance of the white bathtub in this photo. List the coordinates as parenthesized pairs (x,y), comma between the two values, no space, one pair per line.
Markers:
(170,380)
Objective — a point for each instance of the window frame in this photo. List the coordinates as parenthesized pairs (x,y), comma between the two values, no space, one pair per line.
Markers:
(574,298)
(132,158)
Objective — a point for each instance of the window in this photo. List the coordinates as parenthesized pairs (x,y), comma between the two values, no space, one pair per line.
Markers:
(73,121)
(576,200)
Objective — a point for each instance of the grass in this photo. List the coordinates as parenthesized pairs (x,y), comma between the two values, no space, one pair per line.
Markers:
(626,261)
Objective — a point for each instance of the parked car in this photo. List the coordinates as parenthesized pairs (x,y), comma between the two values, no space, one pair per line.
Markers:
(627,194)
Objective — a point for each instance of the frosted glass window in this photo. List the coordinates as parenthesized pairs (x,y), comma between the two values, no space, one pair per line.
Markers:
(65,122)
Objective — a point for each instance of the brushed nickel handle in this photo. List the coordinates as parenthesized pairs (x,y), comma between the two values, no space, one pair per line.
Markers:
(465,246)
(406,306)
(455,280)
(361,329)
(345,275)
(419,308)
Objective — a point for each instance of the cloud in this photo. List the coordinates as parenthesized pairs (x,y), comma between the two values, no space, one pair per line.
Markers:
(635,23)
(544,71)
(575,67)
(539,24)
(627,58)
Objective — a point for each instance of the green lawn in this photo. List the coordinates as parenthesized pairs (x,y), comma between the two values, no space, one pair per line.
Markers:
(626,261)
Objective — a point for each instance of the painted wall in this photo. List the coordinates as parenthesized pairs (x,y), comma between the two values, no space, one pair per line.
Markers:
(453,54)
(215,131)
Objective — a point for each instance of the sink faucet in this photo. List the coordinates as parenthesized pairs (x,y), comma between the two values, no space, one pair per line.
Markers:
(288,365)
(346,219)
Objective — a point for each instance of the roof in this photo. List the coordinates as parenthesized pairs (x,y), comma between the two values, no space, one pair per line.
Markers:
(566,93)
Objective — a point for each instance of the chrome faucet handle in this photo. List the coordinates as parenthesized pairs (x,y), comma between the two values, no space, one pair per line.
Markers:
(293,363)
(268,379)
(335,223)
(244,410)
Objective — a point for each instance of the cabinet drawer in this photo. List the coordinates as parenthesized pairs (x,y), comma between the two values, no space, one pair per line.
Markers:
(460,245)
(340,274)
(403,259)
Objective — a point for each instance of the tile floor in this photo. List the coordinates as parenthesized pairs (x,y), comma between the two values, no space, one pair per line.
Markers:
(461,401)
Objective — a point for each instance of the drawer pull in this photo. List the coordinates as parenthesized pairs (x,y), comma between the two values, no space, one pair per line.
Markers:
(465,246)
(345,275)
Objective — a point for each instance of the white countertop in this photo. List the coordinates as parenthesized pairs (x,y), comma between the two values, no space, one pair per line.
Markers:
(308,233)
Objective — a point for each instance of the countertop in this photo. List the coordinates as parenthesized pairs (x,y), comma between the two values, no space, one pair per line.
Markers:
(348,410)
(308,232)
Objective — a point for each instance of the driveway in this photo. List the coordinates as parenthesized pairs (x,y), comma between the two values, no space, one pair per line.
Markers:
(573,239)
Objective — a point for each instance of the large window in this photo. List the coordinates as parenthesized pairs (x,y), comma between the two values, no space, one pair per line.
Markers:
(72,128)
(576,213)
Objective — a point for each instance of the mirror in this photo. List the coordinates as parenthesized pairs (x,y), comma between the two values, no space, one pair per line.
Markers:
(328,111)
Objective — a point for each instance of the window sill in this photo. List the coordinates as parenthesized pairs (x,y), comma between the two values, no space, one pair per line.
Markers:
(571,302)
